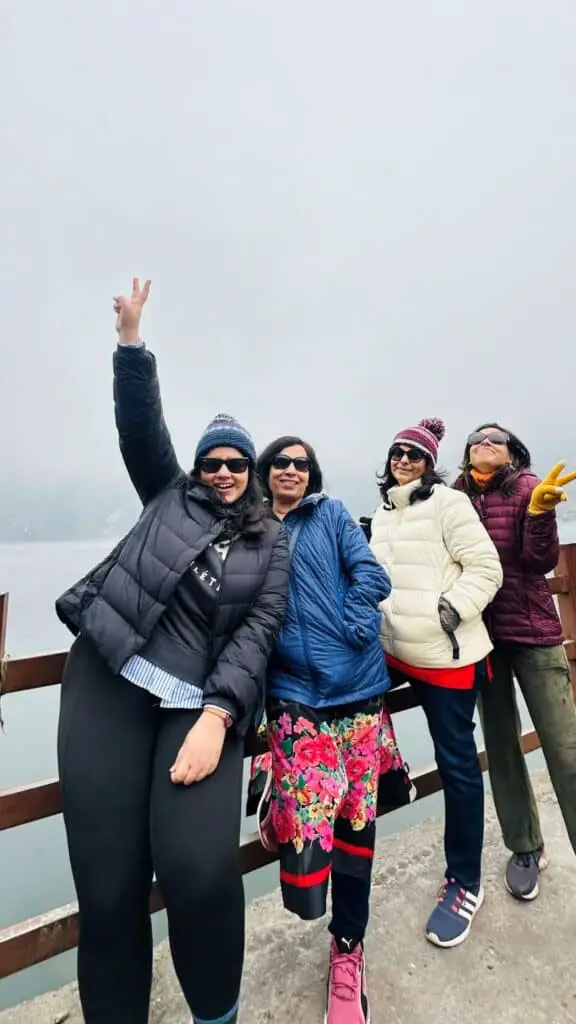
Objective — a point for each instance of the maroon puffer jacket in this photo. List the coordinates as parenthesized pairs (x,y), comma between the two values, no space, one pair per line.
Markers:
(523,610)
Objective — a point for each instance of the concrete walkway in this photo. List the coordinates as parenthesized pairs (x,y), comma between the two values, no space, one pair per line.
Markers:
(518,967)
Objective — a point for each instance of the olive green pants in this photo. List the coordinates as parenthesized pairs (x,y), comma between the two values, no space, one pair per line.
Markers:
(543,675)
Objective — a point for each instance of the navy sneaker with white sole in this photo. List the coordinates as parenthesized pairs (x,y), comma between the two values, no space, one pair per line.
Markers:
(522,873)
(450,922)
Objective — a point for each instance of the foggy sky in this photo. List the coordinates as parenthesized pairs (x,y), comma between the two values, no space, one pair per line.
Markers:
(354,215)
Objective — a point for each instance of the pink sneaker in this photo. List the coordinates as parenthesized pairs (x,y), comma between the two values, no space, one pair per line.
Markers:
(347,1001)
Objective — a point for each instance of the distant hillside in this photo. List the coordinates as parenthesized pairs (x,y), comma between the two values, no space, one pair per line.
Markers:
(65,511)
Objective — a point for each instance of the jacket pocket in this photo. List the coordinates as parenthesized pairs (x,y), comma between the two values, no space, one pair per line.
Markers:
(450,629)
(356,636)
(540,604)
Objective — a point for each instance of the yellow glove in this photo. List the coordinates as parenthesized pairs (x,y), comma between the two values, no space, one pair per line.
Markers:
(547,494)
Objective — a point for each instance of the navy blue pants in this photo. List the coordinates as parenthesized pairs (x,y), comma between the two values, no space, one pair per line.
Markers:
(350,906)
(450,717)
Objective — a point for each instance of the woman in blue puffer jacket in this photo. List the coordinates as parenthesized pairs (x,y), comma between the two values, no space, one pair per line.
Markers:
(328,732)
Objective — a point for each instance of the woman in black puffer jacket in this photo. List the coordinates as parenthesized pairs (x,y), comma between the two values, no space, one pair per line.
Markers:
(166,675)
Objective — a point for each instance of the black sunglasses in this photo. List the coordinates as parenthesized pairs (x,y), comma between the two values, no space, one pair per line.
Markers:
(494,437)
(413,454)
(300,463)
(211,465)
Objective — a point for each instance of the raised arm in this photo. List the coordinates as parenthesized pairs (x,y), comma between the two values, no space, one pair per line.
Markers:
(540,544)
(145,442)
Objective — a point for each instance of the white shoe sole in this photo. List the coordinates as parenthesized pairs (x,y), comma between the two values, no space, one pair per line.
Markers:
(459,938)
(263,820)
(368,1018)
(543,864)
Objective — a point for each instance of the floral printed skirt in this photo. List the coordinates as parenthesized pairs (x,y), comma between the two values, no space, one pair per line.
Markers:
(317,793)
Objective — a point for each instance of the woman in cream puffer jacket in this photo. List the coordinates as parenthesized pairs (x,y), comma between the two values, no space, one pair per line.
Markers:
(444,570)
(434,549)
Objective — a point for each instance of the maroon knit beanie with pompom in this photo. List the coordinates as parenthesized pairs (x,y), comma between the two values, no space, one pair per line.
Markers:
(426,436)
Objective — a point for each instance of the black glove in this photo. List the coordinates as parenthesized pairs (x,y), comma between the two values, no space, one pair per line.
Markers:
(449,617)
(366,526)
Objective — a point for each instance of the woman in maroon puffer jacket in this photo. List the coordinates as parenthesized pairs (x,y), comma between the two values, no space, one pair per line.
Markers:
(518,512)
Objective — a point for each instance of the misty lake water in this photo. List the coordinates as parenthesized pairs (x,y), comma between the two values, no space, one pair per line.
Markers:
(35,874)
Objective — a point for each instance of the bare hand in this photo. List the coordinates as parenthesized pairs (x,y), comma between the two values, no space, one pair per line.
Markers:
(129,312)
(200,753)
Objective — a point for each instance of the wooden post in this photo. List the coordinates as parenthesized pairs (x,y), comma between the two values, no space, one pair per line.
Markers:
(3,621)
(567,603)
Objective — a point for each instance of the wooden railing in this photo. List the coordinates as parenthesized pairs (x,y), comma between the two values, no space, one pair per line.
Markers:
(39,938)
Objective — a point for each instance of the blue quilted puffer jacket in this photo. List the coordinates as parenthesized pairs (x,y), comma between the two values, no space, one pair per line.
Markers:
(328,651)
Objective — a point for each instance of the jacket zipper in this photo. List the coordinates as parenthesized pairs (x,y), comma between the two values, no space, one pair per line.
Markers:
(217,608)
(218,599)
(488,611)
(302,629)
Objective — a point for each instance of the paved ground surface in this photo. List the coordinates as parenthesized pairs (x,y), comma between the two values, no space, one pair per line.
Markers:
(518,967)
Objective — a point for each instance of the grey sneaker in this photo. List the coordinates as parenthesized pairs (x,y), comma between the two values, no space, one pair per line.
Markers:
(522,873)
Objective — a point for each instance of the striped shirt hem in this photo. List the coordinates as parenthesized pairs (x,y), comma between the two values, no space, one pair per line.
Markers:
(172,692)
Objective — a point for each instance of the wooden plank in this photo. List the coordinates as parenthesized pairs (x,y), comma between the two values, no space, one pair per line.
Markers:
(559,584)
(567,603)
(31,673)
(35,801)
(3,663)
(23,804)
(39,670)
(40,938)
(3,622)
(566,569)
(34,672)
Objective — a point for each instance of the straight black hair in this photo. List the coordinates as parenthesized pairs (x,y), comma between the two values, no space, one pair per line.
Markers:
(264,464)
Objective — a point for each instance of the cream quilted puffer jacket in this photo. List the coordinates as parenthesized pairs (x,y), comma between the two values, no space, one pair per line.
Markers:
(434,548)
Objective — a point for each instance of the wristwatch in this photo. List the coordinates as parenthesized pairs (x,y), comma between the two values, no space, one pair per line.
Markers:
(220,713)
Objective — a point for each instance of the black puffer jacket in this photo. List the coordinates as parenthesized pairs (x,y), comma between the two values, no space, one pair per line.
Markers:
(118,604)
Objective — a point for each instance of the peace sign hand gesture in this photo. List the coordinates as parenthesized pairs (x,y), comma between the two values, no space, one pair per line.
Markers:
(547,494)
(129,312)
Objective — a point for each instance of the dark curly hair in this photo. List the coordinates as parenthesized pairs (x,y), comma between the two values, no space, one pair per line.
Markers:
(507,475)
(264,464)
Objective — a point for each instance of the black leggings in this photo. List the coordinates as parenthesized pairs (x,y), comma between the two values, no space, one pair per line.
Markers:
(125,819)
